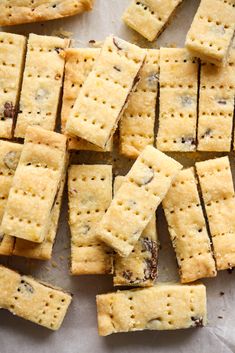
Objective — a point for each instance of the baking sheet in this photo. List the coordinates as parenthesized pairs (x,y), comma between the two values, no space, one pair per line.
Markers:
(79,330)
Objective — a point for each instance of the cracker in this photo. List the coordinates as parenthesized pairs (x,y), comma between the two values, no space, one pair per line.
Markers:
(137,199)
(150,17)
(140,267)
(12,53)
(137,122)
(178,101)
(24,11)
(35,185)
(187,228)
(96,114)
(42,83)
(79,63)
(9,158)
(162,307)
(33,300)
(216,183)
(43,251)
(212,30)
(90,194)
(216,106)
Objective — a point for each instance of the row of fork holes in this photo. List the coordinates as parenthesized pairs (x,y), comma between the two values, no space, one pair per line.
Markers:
(44,143)
(24,193)
(164,85)
(170,60)
(217,170)
(214,87)
(210,44)
(135,60)
(128,208)
(21,220)
(217,23)
(93,178)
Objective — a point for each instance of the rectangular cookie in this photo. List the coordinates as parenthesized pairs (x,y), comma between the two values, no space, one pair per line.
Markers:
(140,267)
(134,204)
(12,54)
(212,30)
(33,300)
(90,194)
(187,228)
(34,188)
(178,101)
(150,17)
(43,251)
(24,11)
(9,158)
(217,188)
(95,114)
(162,307)
(79,63)
(42,83)
(137,122)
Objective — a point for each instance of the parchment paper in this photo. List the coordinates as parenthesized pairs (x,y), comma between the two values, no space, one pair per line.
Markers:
(79,331)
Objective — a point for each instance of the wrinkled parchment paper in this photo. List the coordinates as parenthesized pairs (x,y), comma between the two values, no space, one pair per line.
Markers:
(79,331)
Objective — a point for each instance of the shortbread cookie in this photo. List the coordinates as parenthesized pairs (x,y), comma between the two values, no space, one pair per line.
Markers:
(23,11)
(43,251)
(34,189)
(12,53)
(33,300)
(42,82)
(187,228)
(218,194)
(104,95)
(140,267)
(178,101)
(9,158)
(79,63)
(150,17)
(90,194)
(212,30)
(137,123)
(216,106)
(162,307)
(135,202)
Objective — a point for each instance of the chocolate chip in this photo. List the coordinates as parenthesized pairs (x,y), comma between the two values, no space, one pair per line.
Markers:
(1,237)
(197,321)
(25,287)
(221,293)
(11,159)
(117,44)
(222,101)
(92,41)
(117,68)
(147,177)
(189,140)
(58,50)
(41,94)
(127,274)
(220,317)
(85,229)
(9,110)
(153,78)
(150,271)
(206,133)
(186,100)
